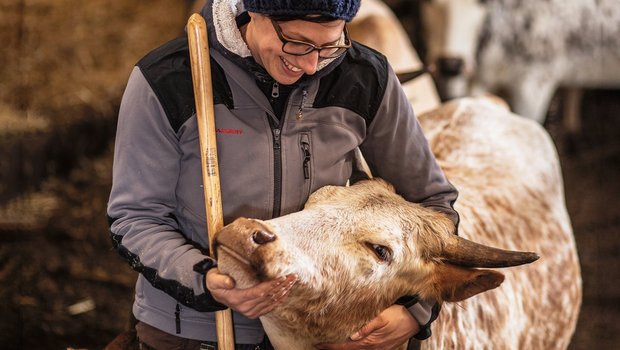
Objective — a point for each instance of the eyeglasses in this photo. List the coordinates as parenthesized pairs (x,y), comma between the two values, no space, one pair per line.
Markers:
(300,48)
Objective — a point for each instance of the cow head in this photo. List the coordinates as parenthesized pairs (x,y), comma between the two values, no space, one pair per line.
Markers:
(356,250)
(452,30)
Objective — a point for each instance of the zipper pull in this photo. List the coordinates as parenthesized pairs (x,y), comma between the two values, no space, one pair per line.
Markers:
(299,115)
(305,147)
(276,138)
(275,90)
(177,318)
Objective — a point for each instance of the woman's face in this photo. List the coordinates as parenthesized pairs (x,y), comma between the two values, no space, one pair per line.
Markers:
(266,47)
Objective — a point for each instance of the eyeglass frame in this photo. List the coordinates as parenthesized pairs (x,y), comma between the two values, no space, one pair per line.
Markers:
(285,40)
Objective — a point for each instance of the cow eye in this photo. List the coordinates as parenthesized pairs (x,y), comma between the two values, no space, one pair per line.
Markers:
(382,252)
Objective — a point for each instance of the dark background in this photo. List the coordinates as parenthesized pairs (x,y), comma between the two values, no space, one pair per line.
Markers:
(55,249)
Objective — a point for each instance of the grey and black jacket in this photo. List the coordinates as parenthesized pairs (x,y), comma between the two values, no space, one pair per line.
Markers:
(269,164)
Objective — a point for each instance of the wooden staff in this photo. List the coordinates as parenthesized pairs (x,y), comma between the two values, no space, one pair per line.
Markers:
(203,94)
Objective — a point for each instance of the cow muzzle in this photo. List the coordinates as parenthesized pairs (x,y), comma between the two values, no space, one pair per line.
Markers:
(242,249)
(450,66)
(243,236)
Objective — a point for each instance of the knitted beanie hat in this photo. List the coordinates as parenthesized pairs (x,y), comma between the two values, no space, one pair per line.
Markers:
(300,9)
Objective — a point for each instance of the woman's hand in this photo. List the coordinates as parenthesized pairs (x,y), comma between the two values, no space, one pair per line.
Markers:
(390,329)
(252,302)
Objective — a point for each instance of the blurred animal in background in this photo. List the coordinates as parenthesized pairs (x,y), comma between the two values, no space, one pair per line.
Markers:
(369,246)
(376,26)
(524,50)
(194,6)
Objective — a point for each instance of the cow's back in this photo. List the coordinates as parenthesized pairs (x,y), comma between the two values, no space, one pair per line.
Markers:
(511,196)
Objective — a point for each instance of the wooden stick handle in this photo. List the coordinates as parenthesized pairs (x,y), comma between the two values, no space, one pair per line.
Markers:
(203,94)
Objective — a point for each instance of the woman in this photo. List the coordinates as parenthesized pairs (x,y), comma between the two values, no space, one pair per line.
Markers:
(294,97)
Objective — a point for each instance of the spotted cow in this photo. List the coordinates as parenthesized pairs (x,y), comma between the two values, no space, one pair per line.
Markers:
(523,49)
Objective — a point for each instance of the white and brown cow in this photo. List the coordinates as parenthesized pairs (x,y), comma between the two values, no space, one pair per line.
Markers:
(357,249)
(523,49)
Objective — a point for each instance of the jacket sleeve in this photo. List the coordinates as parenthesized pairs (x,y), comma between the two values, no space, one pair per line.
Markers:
(425,312)
(142,203)
(396,150)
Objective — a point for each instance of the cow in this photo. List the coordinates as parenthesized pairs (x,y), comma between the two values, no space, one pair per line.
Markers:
(357,249)
(524,49)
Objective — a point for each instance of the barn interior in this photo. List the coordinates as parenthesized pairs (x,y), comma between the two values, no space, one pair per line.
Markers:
(62,73)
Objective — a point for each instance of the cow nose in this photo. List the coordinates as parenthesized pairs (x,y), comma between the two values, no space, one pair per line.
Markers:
(263,237)
(450,66)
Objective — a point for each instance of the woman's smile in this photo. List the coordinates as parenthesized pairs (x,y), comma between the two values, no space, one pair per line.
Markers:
(295,70)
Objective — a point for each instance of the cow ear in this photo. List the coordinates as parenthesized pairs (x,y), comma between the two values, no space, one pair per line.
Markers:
(357,176)
(360,170)
(458,283)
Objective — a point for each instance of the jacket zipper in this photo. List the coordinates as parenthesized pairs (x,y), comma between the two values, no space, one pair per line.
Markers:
(276,132)
(177,318)
(306,164)
(300,114)
(275,90)
(305,149)
(277,171)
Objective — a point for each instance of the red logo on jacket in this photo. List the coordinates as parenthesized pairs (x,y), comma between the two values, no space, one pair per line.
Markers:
(229,131)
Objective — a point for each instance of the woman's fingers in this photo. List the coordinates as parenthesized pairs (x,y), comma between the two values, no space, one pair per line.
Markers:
(252,302)
(216,280)
(271,300)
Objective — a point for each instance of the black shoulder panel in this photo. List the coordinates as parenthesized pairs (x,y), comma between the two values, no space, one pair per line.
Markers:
(357,84)
(167,70)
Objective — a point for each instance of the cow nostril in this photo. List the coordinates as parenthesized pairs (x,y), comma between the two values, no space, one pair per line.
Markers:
(263,237)
(450,66)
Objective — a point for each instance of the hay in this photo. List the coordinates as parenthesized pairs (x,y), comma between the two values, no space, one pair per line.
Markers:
(29,212)
(16,122)
(63,56)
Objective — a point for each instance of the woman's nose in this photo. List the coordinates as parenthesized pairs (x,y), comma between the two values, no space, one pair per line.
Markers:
(308,63)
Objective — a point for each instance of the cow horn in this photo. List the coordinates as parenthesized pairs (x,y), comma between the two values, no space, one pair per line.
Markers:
(463,252)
